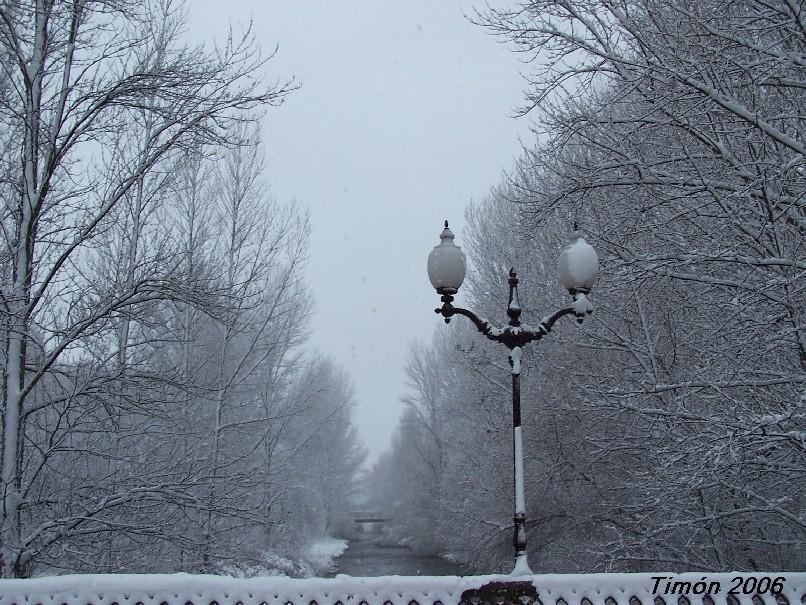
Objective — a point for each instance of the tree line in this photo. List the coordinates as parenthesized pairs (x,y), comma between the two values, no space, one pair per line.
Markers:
(670,430)
(160,409)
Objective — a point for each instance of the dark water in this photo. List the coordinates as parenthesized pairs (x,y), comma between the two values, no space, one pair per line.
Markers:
(364,558)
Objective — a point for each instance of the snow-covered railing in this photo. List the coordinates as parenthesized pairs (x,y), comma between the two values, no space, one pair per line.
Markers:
(562,589)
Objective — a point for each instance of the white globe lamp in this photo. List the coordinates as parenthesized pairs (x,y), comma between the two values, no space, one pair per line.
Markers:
(578,265)
(447,264)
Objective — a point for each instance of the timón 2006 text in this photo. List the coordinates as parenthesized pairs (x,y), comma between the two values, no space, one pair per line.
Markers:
(739,585)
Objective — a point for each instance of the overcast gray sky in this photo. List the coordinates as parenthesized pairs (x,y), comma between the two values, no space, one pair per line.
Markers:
(403,117)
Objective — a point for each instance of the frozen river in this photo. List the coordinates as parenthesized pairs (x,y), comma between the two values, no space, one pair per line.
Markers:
(364,558)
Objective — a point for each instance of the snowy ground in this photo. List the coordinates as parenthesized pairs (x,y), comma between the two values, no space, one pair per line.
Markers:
(317,561)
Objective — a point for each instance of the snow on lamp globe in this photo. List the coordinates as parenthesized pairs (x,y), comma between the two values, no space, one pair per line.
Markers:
(578,267)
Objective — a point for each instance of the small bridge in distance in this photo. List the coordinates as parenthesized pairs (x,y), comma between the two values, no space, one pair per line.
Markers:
(369,522)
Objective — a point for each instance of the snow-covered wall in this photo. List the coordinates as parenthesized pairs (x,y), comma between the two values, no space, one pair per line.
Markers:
(572,589)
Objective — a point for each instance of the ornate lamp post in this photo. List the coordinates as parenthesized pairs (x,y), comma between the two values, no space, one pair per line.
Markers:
(578,267)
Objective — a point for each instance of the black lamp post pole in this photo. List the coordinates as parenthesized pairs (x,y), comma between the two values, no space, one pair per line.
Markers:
(513,336)
(519,517)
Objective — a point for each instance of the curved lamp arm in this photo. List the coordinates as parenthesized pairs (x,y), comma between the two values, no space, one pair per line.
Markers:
(512,335)
(491,331)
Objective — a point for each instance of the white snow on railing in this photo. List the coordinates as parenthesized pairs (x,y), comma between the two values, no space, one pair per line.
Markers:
(553,589)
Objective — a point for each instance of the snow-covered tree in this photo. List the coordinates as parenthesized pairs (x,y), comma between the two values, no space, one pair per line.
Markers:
(153,299)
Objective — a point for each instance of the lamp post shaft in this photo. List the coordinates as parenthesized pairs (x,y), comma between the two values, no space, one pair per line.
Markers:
(519,518)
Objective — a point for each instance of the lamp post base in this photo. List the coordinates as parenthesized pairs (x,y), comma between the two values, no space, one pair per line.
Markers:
(521,566)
